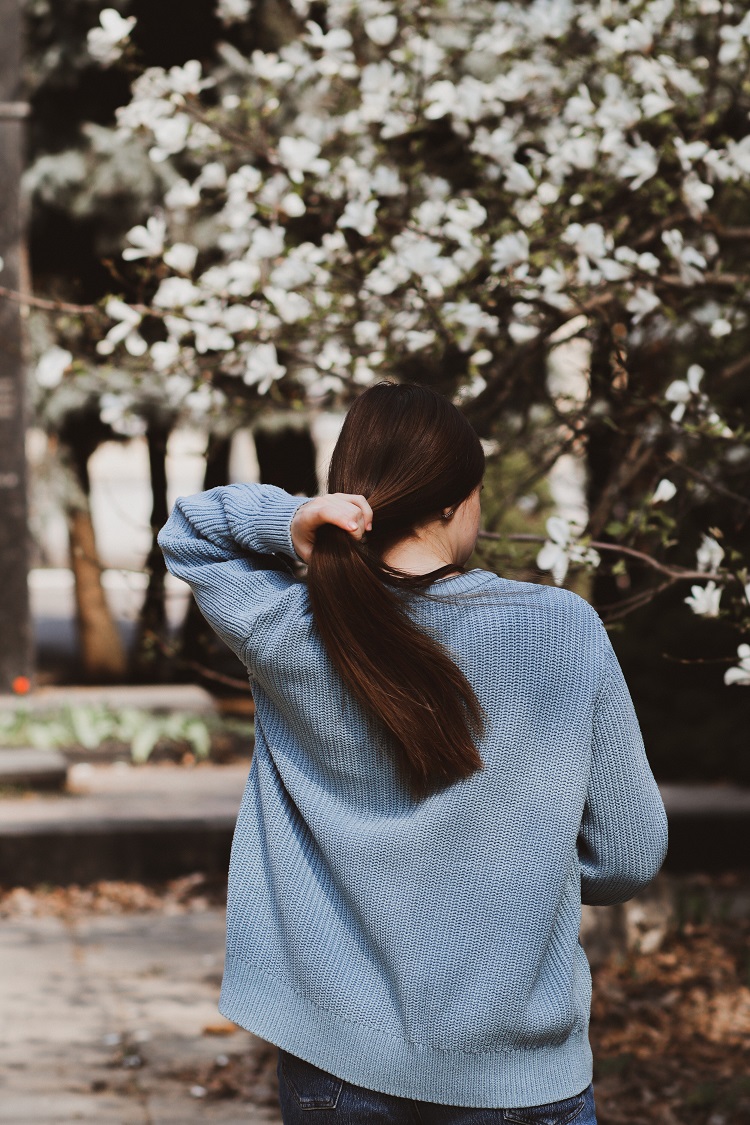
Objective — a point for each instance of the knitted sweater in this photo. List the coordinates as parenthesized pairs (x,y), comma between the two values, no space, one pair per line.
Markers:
(425,949)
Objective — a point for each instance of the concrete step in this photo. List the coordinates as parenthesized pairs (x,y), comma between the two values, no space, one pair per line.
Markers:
(161,821)
(32,768)
(141,697)
(122,822)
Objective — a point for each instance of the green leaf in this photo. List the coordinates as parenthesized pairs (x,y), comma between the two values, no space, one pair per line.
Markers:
(199,737)
(144,740)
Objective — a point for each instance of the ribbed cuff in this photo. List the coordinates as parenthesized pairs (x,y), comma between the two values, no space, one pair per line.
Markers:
(260,516)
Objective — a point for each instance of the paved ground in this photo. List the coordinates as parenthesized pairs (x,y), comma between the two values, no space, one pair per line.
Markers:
(113,1020)
(108,1007)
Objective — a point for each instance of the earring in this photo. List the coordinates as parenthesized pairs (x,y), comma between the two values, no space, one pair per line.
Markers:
(447,515)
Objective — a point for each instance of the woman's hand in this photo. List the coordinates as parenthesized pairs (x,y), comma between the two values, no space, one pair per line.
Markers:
(350,512)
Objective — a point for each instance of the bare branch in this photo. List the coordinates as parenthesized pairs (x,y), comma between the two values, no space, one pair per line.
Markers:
(42,303)
(720,488)
(675,573)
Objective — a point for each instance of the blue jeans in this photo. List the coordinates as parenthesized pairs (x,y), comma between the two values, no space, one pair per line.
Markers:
(304,1088)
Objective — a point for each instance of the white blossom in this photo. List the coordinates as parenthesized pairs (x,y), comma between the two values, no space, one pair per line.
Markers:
(652,104)
(440,99)
(518,180)
(509,250)
(385,181)
(709,554)
(51,367)
(181,196)
(689,153)
(292,205)
(300,155)
(589,240)
(738,153)
(262,367)
(212,177)
(640,164)
(382,29)
(366,333)
(233,11)
(116,410)
(522,333)
(664,491)
(291,307)
(124,330)
(696,195)
(720,327)
(643,302)
(360,216)
(266,242)
(646,262)
(240,318)
(680,391)
(165,354)
(247,179)
(175,292)
(690,261)
(170,134)
(561,549)
(181,257)
(733,37)
(105,43)
(148,240)
(704,600)
(740,674)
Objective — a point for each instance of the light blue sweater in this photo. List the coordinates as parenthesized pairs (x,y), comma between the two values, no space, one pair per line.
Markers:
(423,949)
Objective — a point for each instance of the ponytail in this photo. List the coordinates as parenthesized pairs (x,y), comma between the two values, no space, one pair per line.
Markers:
(409,451)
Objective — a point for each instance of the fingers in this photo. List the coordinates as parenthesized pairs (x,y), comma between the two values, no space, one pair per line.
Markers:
(364,512)
(352,512)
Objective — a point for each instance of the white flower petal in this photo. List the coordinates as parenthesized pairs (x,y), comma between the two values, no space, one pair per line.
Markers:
(664,490)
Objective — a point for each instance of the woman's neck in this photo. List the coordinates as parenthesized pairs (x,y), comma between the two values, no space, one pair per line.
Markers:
(415,559)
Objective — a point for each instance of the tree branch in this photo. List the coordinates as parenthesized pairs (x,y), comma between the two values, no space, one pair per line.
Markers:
(43,303)
(675,573)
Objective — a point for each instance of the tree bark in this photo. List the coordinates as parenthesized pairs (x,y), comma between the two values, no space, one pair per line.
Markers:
(149,657)
(102,650)
(15,623)
(286,457)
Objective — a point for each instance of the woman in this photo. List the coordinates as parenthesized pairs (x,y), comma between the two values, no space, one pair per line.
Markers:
(446,763)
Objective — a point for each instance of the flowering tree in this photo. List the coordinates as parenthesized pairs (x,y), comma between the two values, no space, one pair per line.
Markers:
(446,192)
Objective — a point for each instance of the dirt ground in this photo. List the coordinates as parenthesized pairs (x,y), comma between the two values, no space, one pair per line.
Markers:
(111,991)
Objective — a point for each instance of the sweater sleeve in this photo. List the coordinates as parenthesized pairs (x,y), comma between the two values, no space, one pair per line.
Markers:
(622,840)
(215,541)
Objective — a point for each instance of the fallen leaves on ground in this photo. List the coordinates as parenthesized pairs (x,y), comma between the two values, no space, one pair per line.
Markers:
(186,894)
(670,1030)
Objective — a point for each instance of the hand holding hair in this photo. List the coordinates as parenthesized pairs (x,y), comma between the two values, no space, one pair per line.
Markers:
(345,510)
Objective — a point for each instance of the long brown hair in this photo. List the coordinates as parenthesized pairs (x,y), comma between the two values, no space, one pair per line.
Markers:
(411,453)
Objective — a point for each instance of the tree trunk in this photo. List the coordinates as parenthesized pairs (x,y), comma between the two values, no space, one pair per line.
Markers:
(286,456)
(101,648)
(15,625)
(102,651)
(149,656)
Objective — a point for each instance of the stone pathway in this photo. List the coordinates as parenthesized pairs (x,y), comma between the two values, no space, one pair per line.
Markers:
(113,1020)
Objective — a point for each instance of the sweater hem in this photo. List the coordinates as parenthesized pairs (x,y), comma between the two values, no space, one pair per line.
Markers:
(387,1063)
